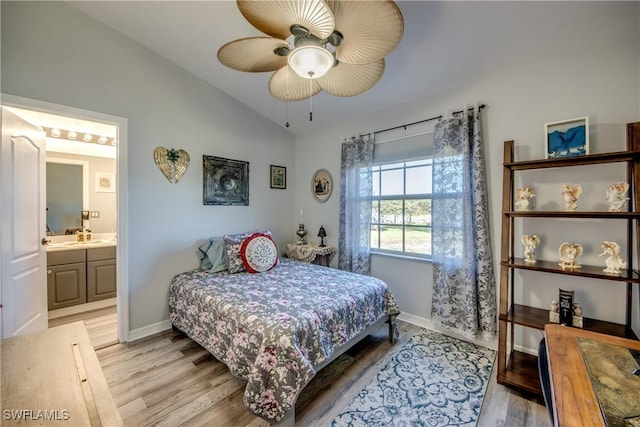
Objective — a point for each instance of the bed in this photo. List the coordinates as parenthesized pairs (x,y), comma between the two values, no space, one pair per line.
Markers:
(276,329)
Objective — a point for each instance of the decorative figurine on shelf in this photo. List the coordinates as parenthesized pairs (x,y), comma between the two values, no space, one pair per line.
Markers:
(322,234)
(523,195)
(569,253)
(617,196)
(577,315)
(614,262)
(570,195)
(577,309)
(530,243)
(301,233)
(554,312)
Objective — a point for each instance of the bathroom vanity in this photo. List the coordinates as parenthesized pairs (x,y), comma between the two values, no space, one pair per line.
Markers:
(78,273)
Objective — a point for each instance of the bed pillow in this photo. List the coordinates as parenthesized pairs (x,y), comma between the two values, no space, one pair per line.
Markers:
(205,262)
(259,253)
(212,255)
(233,243)
(217,255)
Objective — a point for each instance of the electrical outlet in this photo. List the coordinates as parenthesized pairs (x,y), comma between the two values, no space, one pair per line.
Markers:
(95,214)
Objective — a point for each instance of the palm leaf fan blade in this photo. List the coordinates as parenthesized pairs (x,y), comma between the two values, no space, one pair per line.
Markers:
(351,79)
(253,54)
(275,17)
(286,85)
(370,29)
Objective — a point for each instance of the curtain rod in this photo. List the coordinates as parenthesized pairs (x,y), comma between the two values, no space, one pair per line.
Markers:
(420,121)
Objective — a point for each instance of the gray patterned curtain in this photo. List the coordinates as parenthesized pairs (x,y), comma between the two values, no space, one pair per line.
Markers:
(464,291)
(355,204)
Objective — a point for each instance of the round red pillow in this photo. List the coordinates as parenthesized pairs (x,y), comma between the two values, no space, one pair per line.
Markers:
(259,253)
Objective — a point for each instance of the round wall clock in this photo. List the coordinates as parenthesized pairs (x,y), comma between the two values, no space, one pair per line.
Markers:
(321,185)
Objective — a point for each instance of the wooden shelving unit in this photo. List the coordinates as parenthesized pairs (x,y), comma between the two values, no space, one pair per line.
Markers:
(520,370)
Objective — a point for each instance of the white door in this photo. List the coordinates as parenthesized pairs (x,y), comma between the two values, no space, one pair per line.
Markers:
(22,227)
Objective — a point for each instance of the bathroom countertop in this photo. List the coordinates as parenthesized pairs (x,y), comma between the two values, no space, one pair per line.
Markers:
(72,245)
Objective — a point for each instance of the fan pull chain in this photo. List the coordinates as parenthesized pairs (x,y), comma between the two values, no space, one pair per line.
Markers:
(287,124)
(287,102)
(311,100)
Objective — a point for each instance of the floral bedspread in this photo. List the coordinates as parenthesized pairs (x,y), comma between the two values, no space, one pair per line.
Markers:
(272,328)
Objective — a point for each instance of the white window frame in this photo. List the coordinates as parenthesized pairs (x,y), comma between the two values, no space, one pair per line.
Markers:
(376,199)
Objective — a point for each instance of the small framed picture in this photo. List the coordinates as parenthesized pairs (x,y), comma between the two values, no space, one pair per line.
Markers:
(322,185)
(278,177)
(105,183)
(567,138)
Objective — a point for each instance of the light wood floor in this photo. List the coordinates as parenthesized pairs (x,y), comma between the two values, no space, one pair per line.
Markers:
(101,324)
(169,380)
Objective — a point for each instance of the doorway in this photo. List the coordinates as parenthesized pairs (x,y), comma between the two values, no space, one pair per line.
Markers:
(98,141)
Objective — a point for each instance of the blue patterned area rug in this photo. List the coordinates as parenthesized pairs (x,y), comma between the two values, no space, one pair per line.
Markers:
(433,380)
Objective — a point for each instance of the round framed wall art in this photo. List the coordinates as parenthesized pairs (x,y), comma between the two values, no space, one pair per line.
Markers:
(321,185)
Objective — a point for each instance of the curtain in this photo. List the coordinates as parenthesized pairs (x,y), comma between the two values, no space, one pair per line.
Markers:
(464,291)
(355,204)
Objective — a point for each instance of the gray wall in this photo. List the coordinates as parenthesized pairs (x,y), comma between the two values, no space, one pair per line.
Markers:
(595,73)
(52,52)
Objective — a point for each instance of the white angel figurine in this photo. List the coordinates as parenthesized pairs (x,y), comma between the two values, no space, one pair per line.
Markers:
(530,243)
(569,253)
(523,195)
(617,196)
(570,195)
(614,262)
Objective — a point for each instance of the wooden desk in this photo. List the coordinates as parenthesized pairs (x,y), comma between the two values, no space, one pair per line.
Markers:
(574,400)
(53,378)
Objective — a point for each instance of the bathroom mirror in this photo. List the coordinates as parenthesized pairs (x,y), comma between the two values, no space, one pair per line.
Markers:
(67,194)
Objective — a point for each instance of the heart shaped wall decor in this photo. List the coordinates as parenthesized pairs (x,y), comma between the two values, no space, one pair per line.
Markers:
(172,163)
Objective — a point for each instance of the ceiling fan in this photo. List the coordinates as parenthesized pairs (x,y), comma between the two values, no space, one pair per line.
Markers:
(333,45)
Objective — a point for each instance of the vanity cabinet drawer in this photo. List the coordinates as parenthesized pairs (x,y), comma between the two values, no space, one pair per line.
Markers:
(66,257)
(97,254)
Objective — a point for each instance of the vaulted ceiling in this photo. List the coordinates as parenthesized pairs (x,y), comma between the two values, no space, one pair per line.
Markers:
(445,44)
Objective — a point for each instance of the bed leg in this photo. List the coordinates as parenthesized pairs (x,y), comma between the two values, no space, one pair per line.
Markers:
(289,420)
(392,336)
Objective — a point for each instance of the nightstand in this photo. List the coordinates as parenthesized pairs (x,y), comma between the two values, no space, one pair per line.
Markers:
(311,253)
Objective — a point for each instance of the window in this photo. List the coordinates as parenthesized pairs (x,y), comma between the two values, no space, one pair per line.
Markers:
(401,208)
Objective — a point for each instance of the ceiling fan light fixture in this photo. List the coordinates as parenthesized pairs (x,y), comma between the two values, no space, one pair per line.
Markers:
(310,61)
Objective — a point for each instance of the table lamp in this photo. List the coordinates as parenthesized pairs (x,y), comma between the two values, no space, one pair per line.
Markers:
(322,234)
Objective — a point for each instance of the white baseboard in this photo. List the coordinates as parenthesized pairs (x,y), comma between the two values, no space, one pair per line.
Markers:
(428,324)
(148,330)
(526,350)
(416,320)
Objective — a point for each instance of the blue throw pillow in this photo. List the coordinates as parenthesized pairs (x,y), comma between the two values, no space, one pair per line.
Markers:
(205,263)
(212,255)
(217,256)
